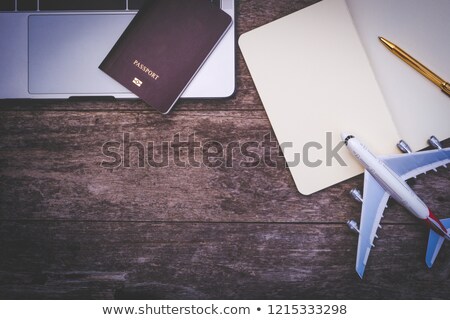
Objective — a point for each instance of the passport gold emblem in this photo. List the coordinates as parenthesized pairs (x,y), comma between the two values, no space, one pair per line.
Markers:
(137,82)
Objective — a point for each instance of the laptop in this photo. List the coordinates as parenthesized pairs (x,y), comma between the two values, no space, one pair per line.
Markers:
(51,49)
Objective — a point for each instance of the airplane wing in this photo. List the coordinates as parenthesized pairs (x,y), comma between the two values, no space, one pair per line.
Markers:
(412,164)
(375,199)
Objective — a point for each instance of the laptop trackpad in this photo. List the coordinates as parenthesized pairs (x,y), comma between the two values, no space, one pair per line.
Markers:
(66,50)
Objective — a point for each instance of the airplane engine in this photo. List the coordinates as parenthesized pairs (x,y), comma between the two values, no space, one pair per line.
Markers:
(435,143)
(356,194)
(353,226)
(404,147)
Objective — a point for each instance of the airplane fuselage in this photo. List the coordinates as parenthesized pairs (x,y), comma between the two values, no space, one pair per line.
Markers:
(394,185)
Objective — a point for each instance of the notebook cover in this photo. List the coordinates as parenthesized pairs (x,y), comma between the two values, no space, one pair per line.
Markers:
(163,48)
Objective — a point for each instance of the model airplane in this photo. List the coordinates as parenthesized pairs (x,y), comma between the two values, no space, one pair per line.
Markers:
(385,177)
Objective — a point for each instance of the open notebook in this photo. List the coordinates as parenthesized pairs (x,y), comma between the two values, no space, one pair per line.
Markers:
(322,69)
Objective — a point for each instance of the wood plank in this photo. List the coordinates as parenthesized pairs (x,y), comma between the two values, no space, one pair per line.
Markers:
(51,169)
(63,260)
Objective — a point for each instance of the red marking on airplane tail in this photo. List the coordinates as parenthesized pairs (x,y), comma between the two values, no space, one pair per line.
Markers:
(434,223)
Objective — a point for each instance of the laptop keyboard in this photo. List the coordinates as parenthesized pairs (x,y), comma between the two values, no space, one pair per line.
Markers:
(57,5)
(79,5)
(7,5)
(26,5)
(135,4)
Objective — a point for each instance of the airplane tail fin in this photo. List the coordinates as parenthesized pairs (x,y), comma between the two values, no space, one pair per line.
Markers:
(435,242)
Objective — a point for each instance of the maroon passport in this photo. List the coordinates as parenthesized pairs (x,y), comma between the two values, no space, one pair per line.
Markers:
(163,48)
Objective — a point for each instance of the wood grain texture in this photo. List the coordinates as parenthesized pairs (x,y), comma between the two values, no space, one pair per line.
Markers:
(53,161)
(70,228)
(211,260)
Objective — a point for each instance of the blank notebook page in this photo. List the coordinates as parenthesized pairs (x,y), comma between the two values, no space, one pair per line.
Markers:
(421,28)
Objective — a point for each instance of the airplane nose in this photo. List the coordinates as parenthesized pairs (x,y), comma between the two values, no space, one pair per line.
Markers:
(344,135)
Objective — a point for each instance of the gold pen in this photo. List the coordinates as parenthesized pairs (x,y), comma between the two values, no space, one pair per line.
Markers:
(430,75)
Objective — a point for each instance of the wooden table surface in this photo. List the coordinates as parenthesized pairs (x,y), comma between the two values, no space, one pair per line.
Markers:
(70,228)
